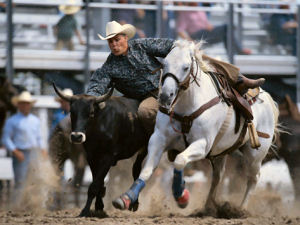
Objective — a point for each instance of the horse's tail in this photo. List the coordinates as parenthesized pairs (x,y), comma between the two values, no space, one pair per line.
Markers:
(277,128)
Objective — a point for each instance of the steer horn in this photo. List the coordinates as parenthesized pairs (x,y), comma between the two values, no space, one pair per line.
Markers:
(104,97)
(60,94)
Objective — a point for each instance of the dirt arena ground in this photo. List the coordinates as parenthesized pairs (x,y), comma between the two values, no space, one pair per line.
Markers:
(156,205)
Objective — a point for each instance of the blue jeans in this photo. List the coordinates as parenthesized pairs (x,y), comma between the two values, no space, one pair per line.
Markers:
(21,168)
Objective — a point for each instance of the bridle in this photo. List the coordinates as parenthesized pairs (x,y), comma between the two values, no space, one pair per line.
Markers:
(185,84)
(186,121)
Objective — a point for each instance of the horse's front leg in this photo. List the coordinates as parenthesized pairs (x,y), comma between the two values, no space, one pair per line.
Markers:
(196,151)
(156,147)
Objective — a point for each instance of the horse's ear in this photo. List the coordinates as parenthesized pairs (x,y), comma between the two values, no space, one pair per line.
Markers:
(160,59)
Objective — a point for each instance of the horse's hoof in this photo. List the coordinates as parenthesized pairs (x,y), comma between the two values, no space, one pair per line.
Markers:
(211,211)
(122,203)
(183,201)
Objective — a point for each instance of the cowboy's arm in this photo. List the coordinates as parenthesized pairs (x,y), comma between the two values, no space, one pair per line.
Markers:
(99,82)
(7,136)
(159,47)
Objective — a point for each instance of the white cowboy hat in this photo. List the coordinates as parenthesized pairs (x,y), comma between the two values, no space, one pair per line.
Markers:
(25,96)
(67,92)
(113,28)
(70,8)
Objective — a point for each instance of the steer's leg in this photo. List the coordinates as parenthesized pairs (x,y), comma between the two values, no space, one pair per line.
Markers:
(136,170)
(96,187)
(99,206)
(156,147)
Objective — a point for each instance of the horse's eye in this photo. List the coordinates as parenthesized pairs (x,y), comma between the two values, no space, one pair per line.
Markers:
(185,69)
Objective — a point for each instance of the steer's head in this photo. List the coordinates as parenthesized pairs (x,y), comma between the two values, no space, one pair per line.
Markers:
(82,109)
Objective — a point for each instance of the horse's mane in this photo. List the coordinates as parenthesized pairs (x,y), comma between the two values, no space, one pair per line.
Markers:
(204,65)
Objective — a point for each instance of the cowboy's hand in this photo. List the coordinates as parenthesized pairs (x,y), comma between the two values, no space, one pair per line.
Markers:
(82,42)
(18,154)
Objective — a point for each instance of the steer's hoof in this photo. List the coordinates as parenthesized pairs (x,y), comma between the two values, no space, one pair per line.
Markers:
(122,203)
(183,201)
(84,213)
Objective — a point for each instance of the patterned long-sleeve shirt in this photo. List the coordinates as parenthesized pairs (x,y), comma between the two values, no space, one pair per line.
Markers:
(132,73)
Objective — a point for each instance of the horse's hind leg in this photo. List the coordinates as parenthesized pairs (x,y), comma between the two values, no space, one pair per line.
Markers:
(253,160)
(218,165)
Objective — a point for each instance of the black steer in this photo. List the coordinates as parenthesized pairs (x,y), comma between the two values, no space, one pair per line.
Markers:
(110,131)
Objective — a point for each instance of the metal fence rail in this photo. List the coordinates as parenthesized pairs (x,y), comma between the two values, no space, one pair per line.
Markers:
(230,8)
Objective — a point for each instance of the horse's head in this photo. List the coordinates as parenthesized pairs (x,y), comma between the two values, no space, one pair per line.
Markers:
(83,109)
(179,67)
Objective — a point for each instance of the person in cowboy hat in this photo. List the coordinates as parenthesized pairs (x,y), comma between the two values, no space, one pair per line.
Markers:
(133,69)
(64,109)
(22,135)
(67,26)
(283,27)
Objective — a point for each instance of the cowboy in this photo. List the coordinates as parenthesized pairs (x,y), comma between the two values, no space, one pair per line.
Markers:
(64,109)
(67,26)
(22,135)
(132,67)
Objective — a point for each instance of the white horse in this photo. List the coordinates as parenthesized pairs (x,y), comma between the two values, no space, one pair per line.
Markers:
(185,87)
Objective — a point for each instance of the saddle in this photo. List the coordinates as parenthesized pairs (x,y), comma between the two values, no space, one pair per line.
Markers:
(242,106)
(232,97)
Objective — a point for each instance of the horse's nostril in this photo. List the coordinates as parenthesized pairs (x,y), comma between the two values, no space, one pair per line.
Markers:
(163,98)
(171,95)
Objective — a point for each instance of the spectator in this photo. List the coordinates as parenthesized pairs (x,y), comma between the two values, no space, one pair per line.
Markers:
(283,29)
(21,136)
(64,109)
(194,25)
(2,7)
(131,16)
(167,22)
(67,26)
